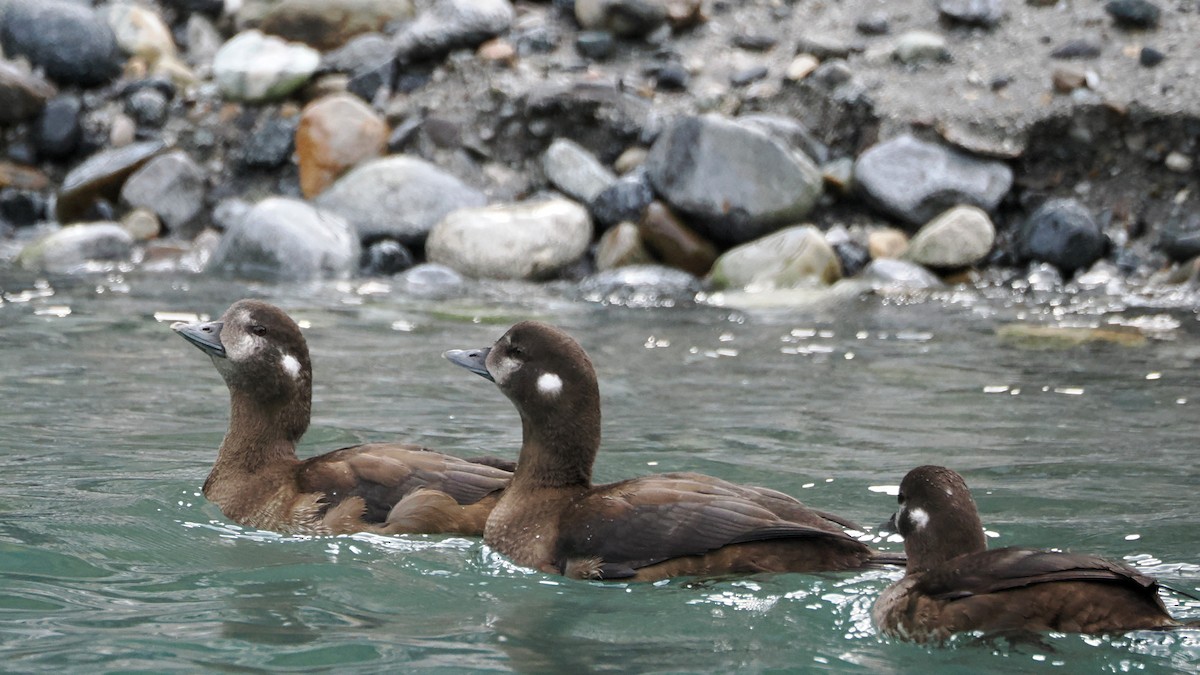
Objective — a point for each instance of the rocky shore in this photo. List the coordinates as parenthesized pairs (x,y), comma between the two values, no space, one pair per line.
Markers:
(662,147)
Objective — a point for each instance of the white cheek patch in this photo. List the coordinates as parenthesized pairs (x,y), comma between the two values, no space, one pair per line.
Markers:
(503,369)
(918,517)
(291,365)
(550,385)
(243,348)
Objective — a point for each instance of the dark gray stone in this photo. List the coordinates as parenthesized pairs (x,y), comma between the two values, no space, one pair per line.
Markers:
(385,258)
(914,180)
(148,107)
(1062,233)
(595,44)
(671,76)
(21,208)
(623,201)
(747,76)
(22,94)
(452,24)
(1133,13)
(73,44)
(58,130)
(1150,57)
(874,24)
(271,143)
(985,13)
(1076,49)
(287,239)
(209,7)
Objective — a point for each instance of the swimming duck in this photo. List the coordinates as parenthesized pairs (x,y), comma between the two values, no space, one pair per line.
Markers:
(553,519)
(259,482)
(953,583)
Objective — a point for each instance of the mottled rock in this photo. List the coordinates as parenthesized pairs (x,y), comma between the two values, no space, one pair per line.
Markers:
(623,200)
(22,95)
(1133,13)
(100,176)
(733,183)
(985,13)
(385,257)
(528,240)
(885,274)
(170,185)
(255,67)
(148,107)
(960,237)
(452,24)
(327,24)
(336,133)
(140,32)
(627,18)
(1062,232)
(640,285)
(914,180)
(674,243)
(575,171)
(71,42)
(887,243)
(852,256)
(397,197)
(271,144)
(70,249)
(796,256)
(917,46)
(791,131)
(620,246)
(287,239)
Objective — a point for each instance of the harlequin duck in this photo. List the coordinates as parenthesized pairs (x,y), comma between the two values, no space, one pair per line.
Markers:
(552,519)
(258,481)
(954,584)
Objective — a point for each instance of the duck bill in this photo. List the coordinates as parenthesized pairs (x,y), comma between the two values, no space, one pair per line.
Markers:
(474,360)
(206,335)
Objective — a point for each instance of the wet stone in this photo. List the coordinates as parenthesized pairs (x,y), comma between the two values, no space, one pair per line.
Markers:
(140,32)
(255,67)
(100,176)
(794,257)
(141,224)
(671,76)
(575,171)
(528,240)
(915,181)
(887,243)
(674,243)
(385,258)
(747,76)
(172,186)
(22,95)
(397,197)
(1133,13)
(70,249)
(1062,233)
(873,24)
(625,199)
(853,257)
(620,246)
(287,239)
(336,133)
(71,42)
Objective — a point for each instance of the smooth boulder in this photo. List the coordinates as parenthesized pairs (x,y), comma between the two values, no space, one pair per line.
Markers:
(960,237)
(791,258)
(71,249)
(70,42)
(1061,232)
(283,239)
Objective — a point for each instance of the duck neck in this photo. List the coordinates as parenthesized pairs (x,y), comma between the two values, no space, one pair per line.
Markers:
(956,535)
(260,435)
(557,455)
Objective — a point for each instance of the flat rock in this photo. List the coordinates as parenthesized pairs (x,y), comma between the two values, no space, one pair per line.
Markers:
(328,24)
(575,171)
(23,95)
(71,42)
(794,257)
(733,183)
(914,180)
(101,175)
(960,237)
(71,249)
(527,240)
(289,240)
(172,186)
(254,67)
(336,133)
(452,24)
(398,197)
(1061,232)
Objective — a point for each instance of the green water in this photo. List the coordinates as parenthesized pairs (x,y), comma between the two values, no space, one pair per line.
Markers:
(111,561)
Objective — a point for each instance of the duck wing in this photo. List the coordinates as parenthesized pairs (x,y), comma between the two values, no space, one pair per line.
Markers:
(382,474)
(640,522)
(1009,568)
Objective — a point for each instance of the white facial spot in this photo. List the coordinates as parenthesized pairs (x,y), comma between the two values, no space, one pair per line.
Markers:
(291,365)
(918,518)
(503,369)
(549,384)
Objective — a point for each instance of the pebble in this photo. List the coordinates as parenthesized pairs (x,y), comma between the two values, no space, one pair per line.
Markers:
(960,237)
(328,24)
(203,39)
(148,107)
(100,176)
(733,182)
(1178,162)
(575,171)
(1062,233)
(852,256)
(270,144)
(1076,49)
(984,13)
(254,67)
(887,242)
(671,76)
(627,18)
(140,32)
(1067,79)
(914,180)
(748,75)
(874,24)
(640,286)
(70,249)
(620,246)
(398,197)
(141,224)
(918,46)
(452,24)
(21,177)
(632,158)
(336,133)
(801,67)
(21,208)
(1133,13)
(674,243)
(71,42)
(527,240)
(23,95)
(793,257)
(1150,57)
(173,187)
(283,239)
(596,45)
(385,258)
(625,199)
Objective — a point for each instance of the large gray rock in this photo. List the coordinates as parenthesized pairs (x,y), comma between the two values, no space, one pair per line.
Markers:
(170,185)
(255,67)
(22,94)
(1062,232)
(529,240)
(791,258)
(72,43)
(915,181)
(398,197)
(960,237)
(70,249)
(572,169)
(732,182)
(452,24)
(287,239)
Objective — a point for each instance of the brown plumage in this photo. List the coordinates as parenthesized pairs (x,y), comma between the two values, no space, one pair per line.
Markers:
(954,584)
(553,519)
(258,481)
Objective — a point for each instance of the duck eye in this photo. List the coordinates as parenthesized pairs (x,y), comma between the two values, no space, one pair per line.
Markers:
(258,329)
(900,499)
(516,351)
